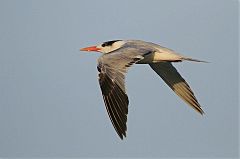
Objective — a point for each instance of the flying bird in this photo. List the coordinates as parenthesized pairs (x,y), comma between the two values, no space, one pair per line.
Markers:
(118,56)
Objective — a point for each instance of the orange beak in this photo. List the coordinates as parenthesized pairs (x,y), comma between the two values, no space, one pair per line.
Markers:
(91,48)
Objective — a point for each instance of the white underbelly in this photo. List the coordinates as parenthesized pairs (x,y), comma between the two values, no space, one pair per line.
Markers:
(159,57)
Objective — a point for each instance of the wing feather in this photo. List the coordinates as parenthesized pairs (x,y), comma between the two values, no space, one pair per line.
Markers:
(175,81)
(112,68)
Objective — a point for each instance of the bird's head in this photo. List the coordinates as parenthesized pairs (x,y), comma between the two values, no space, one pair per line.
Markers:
(105,47)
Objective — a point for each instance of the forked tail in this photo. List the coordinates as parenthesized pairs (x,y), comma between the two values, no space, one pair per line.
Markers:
(195,60)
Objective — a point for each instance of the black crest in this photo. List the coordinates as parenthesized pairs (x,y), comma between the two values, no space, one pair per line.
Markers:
(109,43)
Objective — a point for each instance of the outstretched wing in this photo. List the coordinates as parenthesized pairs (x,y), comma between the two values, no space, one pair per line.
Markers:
(112,68)
(175,81)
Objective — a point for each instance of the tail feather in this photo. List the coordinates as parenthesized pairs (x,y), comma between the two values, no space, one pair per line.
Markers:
(191,59)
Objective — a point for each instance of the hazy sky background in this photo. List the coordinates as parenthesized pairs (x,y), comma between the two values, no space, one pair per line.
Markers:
(50,100)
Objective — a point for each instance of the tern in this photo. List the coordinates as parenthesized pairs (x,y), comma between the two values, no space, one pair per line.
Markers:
(118,56)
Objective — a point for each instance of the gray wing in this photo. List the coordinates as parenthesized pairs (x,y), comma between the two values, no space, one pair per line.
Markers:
(112,68)
(175,81)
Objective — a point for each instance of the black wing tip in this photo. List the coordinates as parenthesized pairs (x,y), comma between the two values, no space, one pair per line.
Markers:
(202,112)
(116,102)
(199,110)
(122,135)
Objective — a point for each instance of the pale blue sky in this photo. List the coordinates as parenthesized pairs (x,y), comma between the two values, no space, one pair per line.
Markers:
(50,101)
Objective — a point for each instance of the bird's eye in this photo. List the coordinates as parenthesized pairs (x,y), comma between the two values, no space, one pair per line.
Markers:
(109,43)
